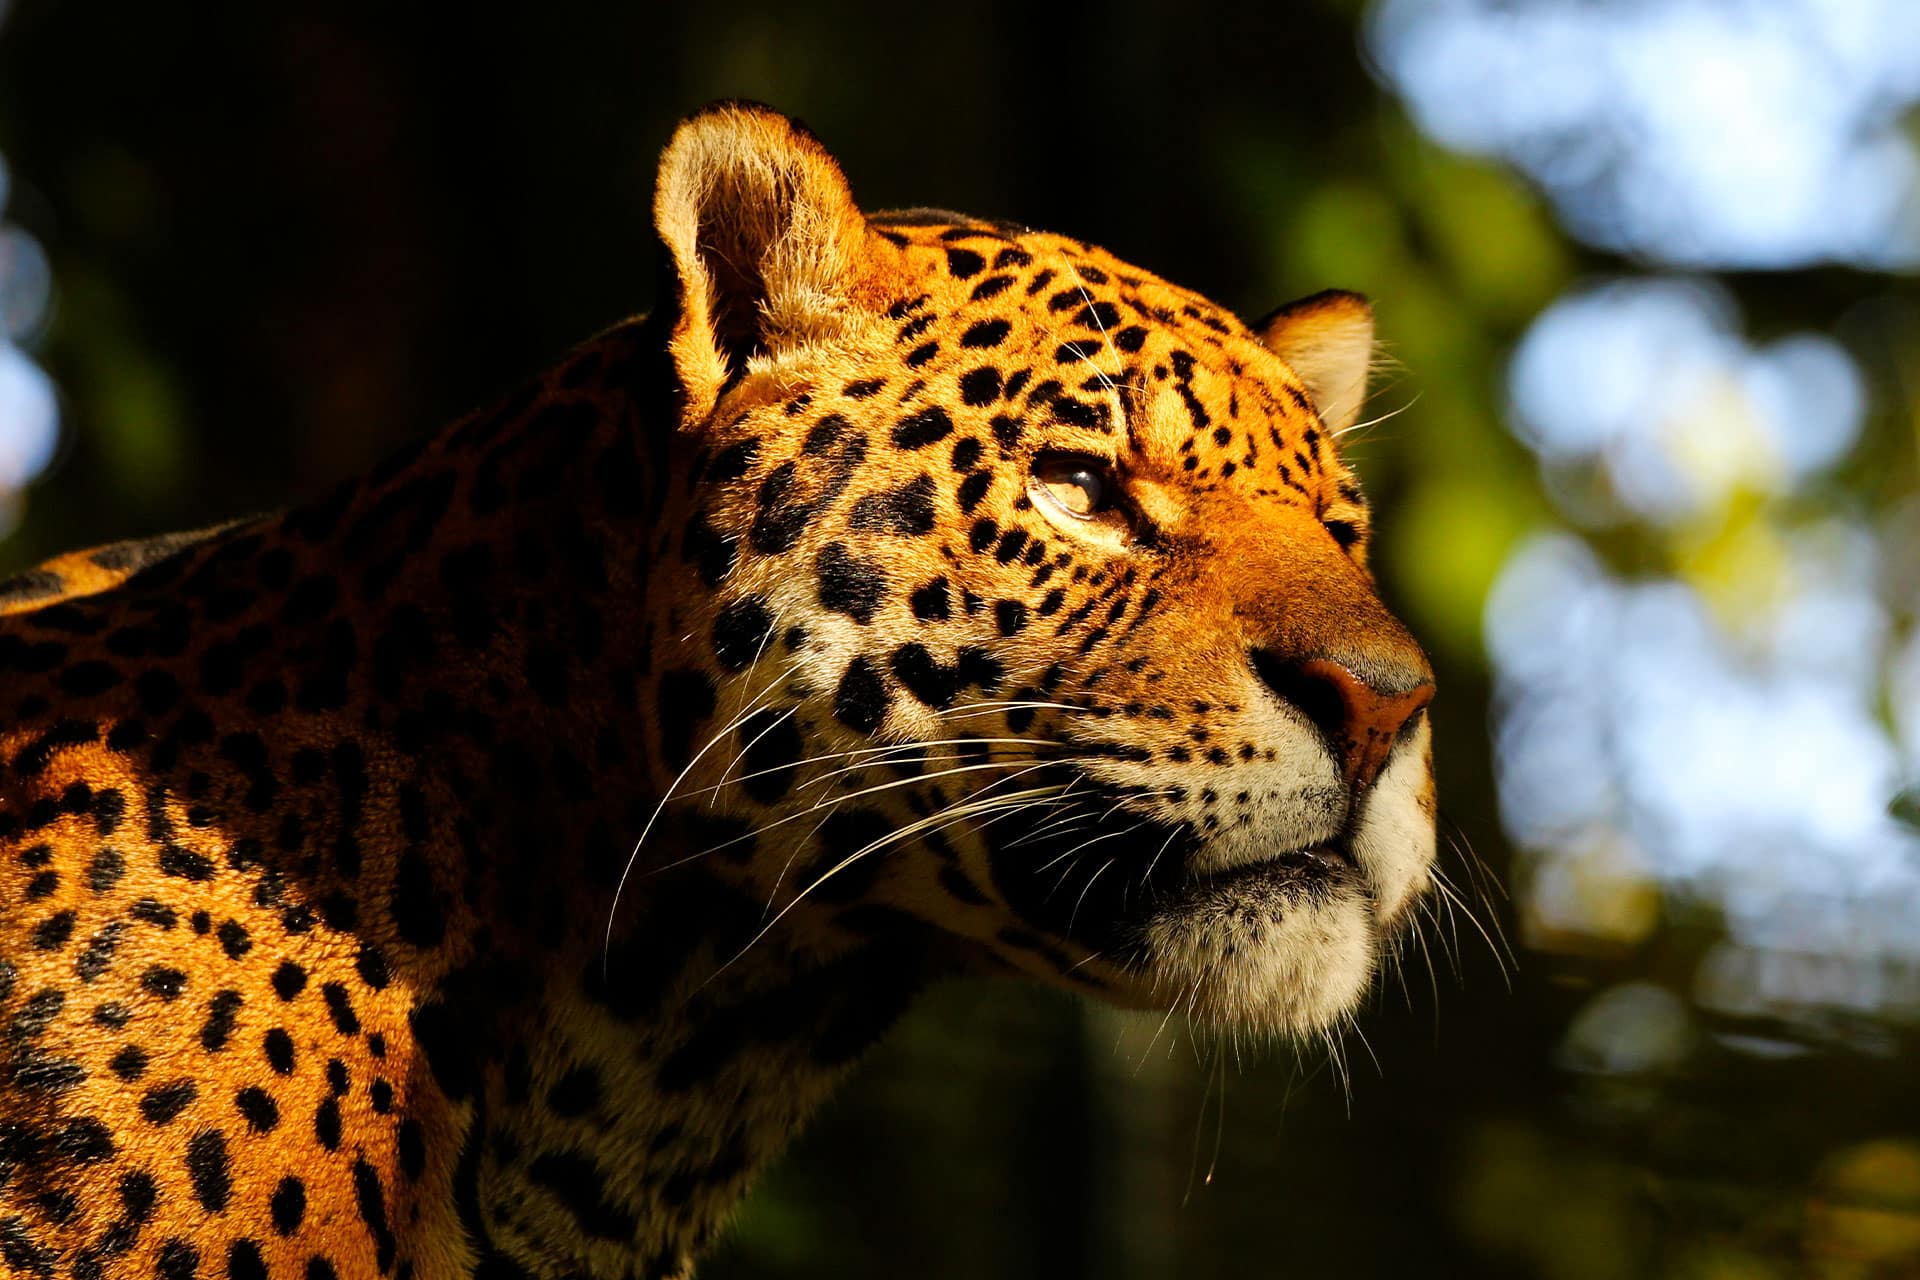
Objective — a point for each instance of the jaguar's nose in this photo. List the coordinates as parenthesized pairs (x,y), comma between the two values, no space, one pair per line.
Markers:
(1361,720)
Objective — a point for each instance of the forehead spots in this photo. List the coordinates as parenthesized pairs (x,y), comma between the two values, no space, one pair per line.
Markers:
(918,430)
(1103,316)
(985,334)
(907,510)
(991,287)
(979,387)
(965,263)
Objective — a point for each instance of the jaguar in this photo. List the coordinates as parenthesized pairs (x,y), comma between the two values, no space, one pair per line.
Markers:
(483,869)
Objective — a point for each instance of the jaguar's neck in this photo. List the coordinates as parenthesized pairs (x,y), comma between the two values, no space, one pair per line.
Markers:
(621,1034)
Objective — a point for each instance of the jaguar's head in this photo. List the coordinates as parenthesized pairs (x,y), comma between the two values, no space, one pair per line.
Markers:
(1027,595)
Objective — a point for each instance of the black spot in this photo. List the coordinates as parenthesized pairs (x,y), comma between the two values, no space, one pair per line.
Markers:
(83,1140)
(86,679)
(137,1195)
(326,1124)
(740,632)
(340,1009)
(1097,315)
(244,1261)
(112,1015)
(860,702)
(109,809)
(780,516)
(222,1011)
(686,699)
(52,933)
(234,940)
(848,584)
(932,602)
(289,980)
(771,747)
(289,1205)
(580,1186)
(918,430)
(98,954)
(937,685)
(706,547)
(964,263)
(576,1093)
(956,883)
(991,287)
(371,966)
(924,676)
(373,1212)
(837,874)
(907,510)
(415,906)
(447,1033)
(208,1170)
(1011,616)
(164,982)
(987,333)
(972,490)
(981,536)
(130,1063)
(175,861)
(279,1049)
(257,1105)
(413,1150)
(33,1069)
(178,1260)
(105,870)
(733,461)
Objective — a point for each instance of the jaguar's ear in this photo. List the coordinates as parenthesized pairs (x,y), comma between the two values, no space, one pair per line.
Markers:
(764,248)
(1328,340)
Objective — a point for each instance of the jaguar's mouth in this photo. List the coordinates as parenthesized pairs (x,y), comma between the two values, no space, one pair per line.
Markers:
(1105,881)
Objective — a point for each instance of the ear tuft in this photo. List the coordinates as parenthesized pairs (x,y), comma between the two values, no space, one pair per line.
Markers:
(1327,339)
(763,241)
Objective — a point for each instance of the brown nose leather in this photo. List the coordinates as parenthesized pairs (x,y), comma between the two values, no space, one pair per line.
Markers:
(1360,722)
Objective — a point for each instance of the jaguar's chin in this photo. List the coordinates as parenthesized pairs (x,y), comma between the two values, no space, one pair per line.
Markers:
(1286,943)
(1289,946)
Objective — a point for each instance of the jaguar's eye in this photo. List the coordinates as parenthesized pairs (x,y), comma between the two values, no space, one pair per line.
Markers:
(1078,486)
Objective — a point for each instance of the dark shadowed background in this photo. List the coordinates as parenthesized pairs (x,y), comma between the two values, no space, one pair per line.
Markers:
(1646,474)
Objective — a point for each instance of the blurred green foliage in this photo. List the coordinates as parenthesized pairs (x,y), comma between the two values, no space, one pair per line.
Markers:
(287,236)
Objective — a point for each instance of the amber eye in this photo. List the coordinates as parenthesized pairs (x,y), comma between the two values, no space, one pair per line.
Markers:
(1078,486)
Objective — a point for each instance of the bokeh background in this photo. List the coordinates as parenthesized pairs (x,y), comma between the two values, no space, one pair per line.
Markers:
(1646,469)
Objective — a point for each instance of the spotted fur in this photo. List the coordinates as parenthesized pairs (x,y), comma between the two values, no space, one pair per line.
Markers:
(482,870)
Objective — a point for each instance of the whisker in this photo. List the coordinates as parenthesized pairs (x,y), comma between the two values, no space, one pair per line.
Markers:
(606,946)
